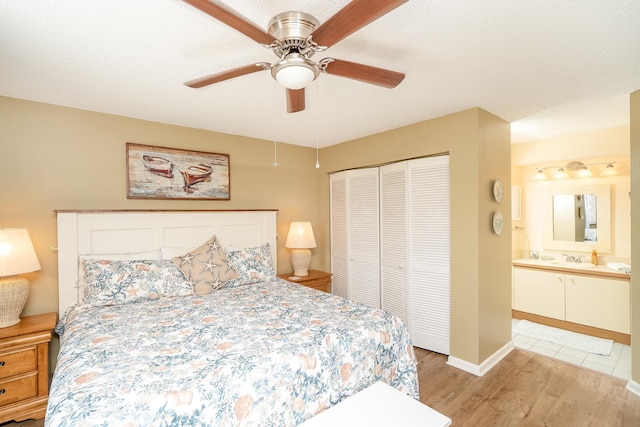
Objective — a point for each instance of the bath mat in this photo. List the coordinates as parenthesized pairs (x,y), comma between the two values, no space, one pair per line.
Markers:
(567,338)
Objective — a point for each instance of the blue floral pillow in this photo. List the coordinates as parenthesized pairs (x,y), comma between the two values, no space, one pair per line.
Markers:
(253,264)
(112,282)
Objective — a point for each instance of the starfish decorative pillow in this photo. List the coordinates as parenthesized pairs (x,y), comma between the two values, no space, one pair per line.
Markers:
(206,267)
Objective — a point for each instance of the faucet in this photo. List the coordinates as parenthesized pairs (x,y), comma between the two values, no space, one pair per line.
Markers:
(572,258)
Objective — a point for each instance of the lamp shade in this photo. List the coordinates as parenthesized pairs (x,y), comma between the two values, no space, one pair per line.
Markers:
(300,236)
(17,255)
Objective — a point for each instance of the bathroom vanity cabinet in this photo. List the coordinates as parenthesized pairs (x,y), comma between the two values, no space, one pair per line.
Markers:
(573,297)
(598,302)
(539,292)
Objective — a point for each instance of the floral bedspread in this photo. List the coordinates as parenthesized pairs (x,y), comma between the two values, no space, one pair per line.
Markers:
(267,354)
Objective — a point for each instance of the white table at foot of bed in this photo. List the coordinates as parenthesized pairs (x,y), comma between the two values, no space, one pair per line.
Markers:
(379,405)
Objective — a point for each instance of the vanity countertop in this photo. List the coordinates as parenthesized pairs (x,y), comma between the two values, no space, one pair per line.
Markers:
(564,267)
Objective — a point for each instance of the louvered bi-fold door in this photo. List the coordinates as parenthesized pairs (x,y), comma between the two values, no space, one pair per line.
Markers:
(414,250)
(363,236)
(429,253)
(394,234)
(338,190)
(355,237)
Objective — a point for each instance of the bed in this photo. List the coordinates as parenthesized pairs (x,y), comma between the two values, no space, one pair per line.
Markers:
(253,351)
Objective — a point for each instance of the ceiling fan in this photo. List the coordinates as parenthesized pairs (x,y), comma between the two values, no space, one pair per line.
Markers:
(295,37)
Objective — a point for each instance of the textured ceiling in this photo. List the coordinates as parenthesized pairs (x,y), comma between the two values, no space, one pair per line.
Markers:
(549,67)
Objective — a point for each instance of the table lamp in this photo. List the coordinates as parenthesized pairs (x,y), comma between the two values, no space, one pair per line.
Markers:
(17,256)
(300,239)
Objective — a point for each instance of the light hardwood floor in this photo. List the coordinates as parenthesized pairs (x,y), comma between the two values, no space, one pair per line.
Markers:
(524,389)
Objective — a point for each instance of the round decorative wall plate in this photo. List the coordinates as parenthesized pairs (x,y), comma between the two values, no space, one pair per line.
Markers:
(498,190)
(498,222)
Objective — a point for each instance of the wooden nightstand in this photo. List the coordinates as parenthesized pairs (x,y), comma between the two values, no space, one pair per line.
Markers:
(316,279)
(24,367)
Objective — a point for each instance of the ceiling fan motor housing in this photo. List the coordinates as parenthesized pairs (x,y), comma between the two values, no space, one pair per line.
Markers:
(292,26)
(292,30)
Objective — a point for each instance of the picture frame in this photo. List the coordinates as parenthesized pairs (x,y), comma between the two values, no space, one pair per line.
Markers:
(164,173)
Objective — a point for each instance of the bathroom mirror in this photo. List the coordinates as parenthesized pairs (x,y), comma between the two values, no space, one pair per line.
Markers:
(578,218)
(575,217)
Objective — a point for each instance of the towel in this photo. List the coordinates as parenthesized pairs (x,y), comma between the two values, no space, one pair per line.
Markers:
(620,267)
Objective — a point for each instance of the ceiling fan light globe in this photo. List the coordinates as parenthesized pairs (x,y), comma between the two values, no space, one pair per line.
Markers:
(295,77)
(295,71)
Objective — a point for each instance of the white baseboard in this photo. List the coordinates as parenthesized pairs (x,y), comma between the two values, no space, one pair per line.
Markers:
(484,367)
(633,387)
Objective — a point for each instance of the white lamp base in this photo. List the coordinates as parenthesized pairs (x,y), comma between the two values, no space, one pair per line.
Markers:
(300,260)
(13,296)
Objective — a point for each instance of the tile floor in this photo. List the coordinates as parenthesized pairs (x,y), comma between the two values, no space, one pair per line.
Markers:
(618,363)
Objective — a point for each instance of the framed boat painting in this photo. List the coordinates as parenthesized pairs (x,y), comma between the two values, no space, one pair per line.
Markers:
(171,173)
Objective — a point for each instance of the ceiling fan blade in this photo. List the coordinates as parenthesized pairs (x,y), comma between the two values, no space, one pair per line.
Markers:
(364,73)
(226,75)
(229,17)
(295,100)
(351,18)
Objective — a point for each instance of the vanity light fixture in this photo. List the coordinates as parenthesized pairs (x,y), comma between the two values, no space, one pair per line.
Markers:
(575,170)
(540,175)
(560,174)
(610,170)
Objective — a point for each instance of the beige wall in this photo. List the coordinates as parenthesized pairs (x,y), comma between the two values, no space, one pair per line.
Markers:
(53,157)
(635,235)
(479,147)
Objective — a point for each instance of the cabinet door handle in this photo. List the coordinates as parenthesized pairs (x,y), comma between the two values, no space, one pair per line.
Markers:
(1,363)
(2,391)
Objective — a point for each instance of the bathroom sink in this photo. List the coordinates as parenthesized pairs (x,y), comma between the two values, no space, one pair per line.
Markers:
(573,264)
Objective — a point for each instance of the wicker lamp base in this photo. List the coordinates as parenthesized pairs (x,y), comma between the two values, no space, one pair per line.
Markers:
(13,296)
(300,260)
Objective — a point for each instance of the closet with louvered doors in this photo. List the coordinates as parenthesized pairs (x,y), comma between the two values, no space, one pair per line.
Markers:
(413,246)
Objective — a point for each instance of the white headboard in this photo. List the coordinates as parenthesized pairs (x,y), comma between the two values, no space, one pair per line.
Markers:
(119,232)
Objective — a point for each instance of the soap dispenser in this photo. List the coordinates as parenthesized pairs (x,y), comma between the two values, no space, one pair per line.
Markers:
(594,257)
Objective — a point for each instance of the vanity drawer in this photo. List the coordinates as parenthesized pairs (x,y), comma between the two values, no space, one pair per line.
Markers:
(17,362)
(18,388)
